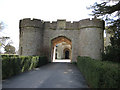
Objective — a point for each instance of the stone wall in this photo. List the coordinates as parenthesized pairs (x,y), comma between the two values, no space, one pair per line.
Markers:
(31,37)
(91,42)
(86,37)
(75,25)
(51,34)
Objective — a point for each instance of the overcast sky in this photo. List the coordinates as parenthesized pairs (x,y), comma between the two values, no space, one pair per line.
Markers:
(11,11)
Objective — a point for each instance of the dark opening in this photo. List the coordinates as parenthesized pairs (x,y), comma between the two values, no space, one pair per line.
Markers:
(55,55)
(66,54)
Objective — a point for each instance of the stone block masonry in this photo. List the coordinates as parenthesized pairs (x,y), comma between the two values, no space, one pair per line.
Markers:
(86,36)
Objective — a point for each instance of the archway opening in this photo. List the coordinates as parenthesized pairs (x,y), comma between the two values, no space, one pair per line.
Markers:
(66,54)
(61,49)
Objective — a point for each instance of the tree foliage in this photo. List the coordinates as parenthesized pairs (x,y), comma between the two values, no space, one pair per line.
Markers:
(103,9)
(9,49)
(5,42)
(111,14)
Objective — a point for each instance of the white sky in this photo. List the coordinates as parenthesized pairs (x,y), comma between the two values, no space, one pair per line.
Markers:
(48,10)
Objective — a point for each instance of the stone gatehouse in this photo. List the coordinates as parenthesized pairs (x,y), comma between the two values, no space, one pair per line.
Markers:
(61,39)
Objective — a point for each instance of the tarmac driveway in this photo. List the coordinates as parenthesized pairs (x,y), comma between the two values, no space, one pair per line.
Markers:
(53,75)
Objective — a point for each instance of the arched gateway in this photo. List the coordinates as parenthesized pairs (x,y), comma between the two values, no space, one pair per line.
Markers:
(61,39)
(59,46)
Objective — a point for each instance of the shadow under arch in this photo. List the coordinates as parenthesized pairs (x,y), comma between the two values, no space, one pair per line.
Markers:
(58,40)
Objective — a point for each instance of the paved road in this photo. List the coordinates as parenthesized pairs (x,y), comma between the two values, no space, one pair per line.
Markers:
(53,75)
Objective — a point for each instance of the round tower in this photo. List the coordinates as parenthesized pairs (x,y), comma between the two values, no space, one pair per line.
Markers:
(91,38)
(31,37)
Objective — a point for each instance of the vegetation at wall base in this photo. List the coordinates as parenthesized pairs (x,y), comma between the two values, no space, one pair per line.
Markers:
(14,64)
(99,74)
(111,54)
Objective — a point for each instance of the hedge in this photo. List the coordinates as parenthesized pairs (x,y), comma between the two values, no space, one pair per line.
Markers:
(99,74)
(12,65)
(8,55)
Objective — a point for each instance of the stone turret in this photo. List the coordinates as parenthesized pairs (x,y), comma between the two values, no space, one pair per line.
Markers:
(91,41)
(27,22)
(31,37)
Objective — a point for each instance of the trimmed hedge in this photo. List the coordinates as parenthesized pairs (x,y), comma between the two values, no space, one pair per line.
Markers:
(99,74)
(12,65)
(9,55)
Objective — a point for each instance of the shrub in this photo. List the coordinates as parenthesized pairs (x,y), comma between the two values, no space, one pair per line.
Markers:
(111,54)
(12,65)
(99,74)
(42,61)
(9,55)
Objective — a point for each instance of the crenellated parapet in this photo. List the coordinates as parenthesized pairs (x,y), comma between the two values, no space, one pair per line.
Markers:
(75,25)
(62,24)
(87,23)
(28,22)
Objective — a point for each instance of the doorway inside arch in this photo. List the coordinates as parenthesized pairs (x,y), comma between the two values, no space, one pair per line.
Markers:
(61,49)
(66,54)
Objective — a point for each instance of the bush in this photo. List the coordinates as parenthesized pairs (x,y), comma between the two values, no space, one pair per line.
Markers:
(99,74)
(12,65)
(9,55)
(42,61)
(111,54)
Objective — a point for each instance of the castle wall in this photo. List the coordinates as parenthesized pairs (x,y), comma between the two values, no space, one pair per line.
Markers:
(86,37)
(51,34)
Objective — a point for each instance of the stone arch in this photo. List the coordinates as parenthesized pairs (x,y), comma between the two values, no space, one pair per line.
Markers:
(58,40)
(64,52)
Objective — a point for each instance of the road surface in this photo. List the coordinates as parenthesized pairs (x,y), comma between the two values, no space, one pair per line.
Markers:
(53,75)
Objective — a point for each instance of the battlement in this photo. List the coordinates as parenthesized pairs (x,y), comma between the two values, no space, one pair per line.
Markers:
(28,22)
(62,24)
(75,25)
(91,23)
